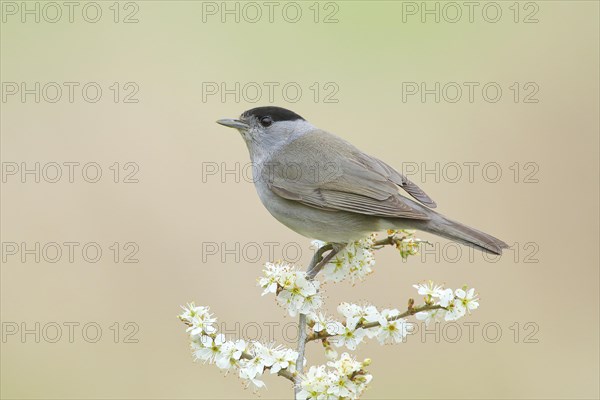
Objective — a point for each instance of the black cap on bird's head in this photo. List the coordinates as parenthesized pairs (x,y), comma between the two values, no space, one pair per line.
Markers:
(264,115)
(275,113)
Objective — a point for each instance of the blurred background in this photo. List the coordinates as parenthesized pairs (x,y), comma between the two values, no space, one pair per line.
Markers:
(122,199)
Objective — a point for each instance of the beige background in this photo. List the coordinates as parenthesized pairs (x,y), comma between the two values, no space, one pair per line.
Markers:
(170,133)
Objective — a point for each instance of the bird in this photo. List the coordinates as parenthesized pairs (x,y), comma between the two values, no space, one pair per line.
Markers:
(323,187)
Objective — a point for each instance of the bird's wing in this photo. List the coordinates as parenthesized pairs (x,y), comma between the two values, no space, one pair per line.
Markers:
(392,175)
(321,170)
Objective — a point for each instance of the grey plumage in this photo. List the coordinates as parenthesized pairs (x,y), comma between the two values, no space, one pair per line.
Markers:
(325,188)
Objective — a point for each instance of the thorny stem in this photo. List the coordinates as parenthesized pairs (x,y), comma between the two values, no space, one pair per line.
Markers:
(316,265)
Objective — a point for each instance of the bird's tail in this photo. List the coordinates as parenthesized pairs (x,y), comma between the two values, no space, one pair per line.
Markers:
(455,231)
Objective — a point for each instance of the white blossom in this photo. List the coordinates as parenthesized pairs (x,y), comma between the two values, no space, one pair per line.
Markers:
(455,303)
(353,313)
(467,300)
(346,365)
(208,348)
(341,387)
(276,275)
(251,369)
(349,336)
(446,297)
(284,359)
(294,291)
(299,294)
(325,323)
(408,245)
(455,310)
(431,316)
(250,374)
(355,261)
(392,331)
(428,289)
(390,313)
(199,319)
(341,378)
(315,383)
(356,314)
(230,354)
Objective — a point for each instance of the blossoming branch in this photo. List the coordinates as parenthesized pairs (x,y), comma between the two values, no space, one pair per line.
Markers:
(298,292)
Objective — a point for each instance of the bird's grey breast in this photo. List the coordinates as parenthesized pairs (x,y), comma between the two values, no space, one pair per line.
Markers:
(296,166)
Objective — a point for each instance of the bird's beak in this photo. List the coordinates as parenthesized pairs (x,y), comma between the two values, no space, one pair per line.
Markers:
(233,123)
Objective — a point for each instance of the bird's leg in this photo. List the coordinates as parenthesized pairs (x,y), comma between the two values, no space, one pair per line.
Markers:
(318,262)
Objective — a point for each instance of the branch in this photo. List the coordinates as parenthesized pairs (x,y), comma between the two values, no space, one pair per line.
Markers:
(292,376)
(301,347)
(411,311)
(283,372)
(392,240)
(316,265)
(247,356)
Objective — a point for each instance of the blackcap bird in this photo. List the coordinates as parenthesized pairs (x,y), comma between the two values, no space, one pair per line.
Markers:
(323,187)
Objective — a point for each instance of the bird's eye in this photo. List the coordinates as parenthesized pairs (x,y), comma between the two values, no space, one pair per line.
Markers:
(266,121)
